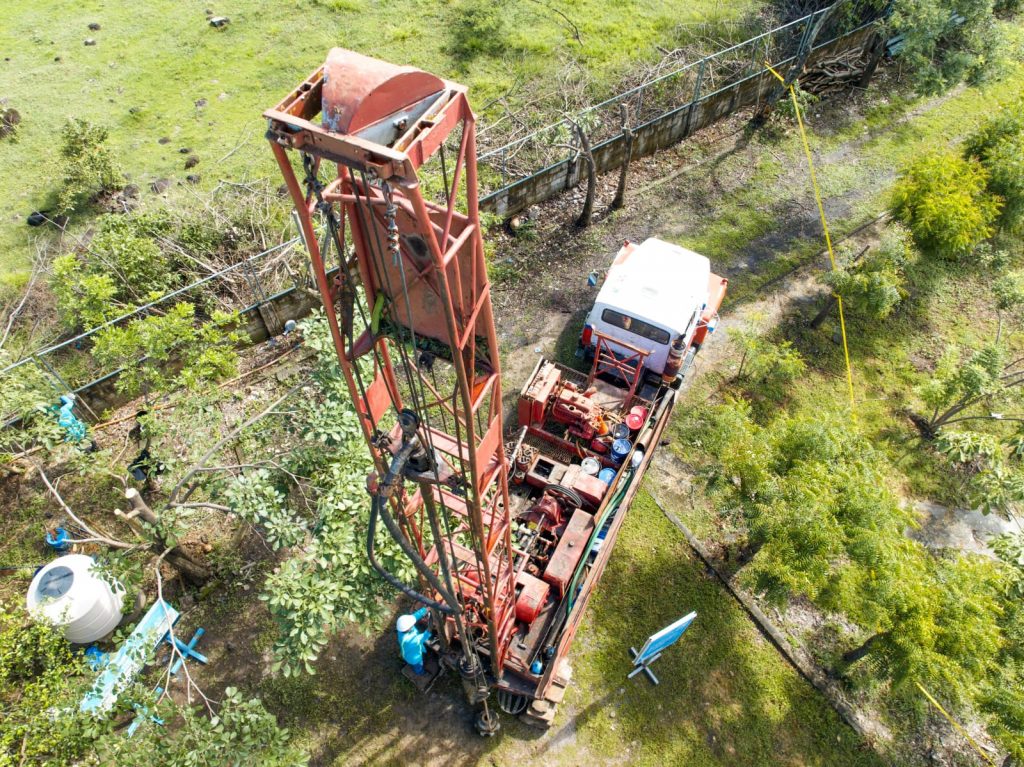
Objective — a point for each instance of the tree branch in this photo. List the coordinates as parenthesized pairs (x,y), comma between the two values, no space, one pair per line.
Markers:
(173,499)
(77,520)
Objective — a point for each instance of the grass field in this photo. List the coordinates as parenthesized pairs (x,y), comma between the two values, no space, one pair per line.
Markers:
(153,62)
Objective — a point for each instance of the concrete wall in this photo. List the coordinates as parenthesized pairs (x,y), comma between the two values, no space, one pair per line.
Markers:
(661,132)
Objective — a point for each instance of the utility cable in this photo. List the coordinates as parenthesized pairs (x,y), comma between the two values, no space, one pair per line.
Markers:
(824,226)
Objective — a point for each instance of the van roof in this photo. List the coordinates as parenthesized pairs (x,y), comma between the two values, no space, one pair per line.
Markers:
(658,282)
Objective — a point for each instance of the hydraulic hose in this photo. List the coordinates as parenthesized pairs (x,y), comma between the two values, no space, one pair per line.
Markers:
(378,507)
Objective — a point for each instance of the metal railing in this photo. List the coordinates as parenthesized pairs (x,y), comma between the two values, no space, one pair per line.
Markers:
(691,83)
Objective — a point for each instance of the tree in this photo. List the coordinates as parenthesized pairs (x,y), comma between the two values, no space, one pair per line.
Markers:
(86,166)
(765,363)
(977,388)
(874,285)
(824,524)
(164,351)
(944,201)
(314,500)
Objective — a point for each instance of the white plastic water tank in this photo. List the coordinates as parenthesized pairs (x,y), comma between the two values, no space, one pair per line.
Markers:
(68,593)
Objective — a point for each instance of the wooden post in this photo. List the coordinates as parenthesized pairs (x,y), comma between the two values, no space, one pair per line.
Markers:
(875,51)
(588,156)
(177,556)
(627,137)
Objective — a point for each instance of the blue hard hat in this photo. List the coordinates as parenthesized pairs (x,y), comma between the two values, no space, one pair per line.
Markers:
(405,623)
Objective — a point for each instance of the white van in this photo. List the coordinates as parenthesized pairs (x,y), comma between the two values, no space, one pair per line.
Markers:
(655,294)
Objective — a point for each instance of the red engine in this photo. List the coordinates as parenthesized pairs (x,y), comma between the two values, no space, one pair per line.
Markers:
(578,411)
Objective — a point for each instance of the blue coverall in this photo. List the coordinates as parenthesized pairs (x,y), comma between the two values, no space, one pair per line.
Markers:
(412,641)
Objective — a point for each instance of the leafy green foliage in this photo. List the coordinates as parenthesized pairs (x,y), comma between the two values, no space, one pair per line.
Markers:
(957,386)
(28,395)
(121,266)
(875,285)
(42,681)
(86,165)
(144,349)
(999,146)
(241,732)
(330,583)
(258,499)
(824,524)
(944,200)
(767,364)
(946,42)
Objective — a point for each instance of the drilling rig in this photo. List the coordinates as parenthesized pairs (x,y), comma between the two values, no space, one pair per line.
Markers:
(508,530)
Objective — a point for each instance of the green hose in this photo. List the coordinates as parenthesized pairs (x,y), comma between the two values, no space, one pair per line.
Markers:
(610,509)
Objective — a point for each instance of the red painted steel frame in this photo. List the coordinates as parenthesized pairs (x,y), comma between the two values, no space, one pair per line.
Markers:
(446,298)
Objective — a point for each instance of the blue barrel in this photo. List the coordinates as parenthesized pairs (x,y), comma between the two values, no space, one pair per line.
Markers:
(59,542)
(606,475)
(620,431)
(620,449)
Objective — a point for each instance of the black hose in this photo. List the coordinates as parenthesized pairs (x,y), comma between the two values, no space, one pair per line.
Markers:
(378,507)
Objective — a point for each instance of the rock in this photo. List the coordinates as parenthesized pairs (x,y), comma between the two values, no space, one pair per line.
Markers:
(193,178)
(201,103)
(57,59)
(132,191)
(94,27)
(163,140)
(160,186)
(219,21)
(209,12)
(36,218)
(90,41)
(185,150)
(222,96)
(191,162)
(186,601)
(282,190)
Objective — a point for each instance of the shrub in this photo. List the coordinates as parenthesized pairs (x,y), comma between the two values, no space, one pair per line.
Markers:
(874,286)
(86,165)
(999,146)
(944,200)
(946,42)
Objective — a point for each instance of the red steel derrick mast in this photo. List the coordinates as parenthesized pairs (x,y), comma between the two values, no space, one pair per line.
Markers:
(410,315)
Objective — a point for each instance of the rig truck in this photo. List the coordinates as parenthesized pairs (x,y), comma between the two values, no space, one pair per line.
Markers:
(508,526)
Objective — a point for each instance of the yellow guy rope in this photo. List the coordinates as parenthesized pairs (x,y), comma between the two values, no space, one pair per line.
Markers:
(824,226)
(953,722)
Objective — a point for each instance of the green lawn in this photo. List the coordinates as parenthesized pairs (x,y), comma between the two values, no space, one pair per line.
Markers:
(154,61)
(726,695)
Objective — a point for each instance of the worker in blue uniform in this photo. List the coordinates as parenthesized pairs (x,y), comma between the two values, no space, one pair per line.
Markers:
(412,638)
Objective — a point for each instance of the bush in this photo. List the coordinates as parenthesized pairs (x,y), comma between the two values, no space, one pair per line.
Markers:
(943,198)
(939,51)
(121,267)
(86,165)
(999,146)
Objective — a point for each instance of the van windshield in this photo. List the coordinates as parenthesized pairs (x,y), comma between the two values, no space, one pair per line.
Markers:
(633,325)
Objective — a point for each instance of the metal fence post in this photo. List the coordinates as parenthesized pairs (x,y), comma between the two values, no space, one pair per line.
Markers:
(696,97)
